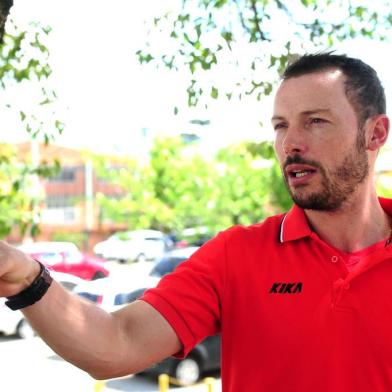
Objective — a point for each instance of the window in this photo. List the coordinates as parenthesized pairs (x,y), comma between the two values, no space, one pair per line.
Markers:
(60,201)
(67,174)
(60,209)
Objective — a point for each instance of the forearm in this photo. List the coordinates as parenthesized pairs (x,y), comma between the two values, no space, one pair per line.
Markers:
(80,332)
(106,345)
(103,344)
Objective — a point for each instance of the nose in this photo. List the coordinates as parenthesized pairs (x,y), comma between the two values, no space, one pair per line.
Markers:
(294,143)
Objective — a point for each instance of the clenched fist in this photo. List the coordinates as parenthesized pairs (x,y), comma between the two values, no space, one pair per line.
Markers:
(17,270)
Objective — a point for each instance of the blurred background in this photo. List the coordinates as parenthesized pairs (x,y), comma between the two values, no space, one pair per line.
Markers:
(155,115)
(132,130)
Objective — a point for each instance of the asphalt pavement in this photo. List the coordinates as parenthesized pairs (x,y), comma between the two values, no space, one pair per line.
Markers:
(29,365)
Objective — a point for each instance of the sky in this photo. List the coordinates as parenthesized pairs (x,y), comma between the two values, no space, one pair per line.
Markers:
(107,98)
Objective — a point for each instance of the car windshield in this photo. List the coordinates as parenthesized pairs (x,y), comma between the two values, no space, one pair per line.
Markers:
(90,296)
(166,265)
(73,257)
(126,298)
(136,236)
(50,258)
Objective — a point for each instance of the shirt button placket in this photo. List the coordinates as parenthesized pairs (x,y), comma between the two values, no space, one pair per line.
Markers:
(336,292)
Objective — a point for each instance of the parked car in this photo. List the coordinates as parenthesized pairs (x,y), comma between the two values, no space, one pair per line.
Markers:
(66,257)
(137,245)
(169,261)
(193,236)
(13,322)
(204,357)
(125,286)
(114,291)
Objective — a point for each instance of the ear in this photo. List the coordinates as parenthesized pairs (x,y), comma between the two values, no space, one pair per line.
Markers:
(378,130)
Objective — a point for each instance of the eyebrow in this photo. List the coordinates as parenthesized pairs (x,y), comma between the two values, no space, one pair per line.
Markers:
(304,113)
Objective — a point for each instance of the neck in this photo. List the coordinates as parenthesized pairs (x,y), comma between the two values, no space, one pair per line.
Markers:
(359,223)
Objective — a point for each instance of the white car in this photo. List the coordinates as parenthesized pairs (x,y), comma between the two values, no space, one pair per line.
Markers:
(137,245)
(115,291)
(129,281)
(13,321)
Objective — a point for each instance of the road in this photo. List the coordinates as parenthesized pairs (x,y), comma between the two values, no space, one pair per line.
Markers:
(30,365)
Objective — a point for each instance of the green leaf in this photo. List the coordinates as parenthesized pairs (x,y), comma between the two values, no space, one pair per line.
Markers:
(214,92)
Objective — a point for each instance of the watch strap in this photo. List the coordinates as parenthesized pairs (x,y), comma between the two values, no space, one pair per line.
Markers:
(32,293)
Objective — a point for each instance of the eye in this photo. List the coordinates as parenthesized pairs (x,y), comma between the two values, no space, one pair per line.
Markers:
(279,126)
(317,120)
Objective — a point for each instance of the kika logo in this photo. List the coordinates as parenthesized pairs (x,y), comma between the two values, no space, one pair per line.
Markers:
(286,288)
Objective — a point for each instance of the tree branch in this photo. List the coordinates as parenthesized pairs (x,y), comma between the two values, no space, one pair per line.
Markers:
(243,24)
(257,20)
(5,6)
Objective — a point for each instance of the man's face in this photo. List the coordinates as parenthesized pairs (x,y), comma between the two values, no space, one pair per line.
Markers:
(321,150)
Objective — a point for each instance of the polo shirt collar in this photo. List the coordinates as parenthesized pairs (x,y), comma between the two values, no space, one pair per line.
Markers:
(295,226)
(386,204)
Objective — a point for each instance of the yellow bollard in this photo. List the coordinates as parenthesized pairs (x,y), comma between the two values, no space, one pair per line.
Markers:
(209,381)
(163,381)
(99,386)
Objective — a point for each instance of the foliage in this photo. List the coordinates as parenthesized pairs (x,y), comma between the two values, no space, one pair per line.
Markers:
(239,47)
(384,187)
(384,184)
(384,173)
(247,186)
(24,68)
(134,203)
(19,194)
(180,189)
(279,197)
(79,239)
(183,181)
(161,194)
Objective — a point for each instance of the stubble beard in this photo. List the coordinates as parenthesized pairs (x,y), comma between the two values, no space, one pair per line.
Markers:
(338,185)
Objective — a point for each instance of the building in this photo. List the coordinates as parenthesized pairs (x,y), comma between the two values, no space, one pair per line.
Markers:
(68,208)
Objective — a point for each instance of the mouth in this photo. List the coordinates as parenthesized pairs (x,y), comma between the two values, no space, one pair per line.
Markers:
(299,174)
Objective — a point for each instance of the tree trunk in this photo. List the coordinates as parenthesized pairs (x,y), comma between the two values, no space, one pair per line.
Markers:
(5,6)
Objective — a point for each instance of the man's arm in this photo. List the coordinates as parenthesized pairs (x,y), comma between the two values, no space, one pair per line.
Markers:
(106,345)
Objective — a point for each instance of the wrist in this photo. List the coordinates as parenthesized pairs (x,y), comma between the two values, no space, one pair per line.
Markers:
(32,293)
(32,276)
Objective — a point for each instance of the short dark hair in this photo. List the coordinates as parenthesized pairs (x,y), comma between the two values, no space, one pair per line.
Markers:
(362,86)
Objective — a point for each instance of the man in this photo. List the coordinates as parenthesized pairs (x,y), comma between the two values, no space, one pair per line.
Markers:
(302,300)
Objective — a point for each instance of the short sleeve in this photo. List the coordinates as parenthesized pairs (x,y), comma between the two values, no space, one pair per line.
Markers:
(190,298)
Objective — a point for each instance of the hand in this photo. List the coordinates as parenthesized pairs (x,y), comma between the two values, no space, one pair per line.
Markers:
(17,270)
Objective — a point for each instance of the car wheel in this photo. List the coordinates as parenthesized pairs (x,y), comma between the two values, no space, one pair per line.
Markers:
(141,258)
(98,275)
(187,371)
(24,330)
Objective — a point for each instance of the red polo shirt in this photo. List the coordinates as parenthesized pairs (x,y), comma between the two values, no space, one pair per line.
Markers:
(291,315)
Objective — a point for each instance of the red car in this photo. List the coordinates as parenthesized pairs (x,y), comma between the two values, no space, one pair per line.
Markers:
(66,257)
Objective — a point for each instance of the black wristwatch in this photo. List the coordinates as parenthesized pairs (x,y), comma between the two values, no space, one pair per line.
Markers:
(33,293)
